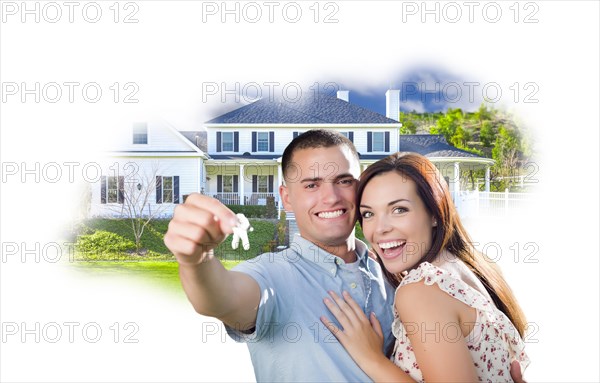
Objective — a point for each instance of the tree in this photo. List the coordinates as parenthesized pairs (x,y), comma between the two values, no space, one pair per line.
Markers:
(486,134)
(506,152)
(136,191)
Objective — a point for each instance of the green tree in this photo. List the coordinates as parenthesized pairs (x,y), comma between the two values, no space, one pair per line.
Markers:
(487,135)
(506,151)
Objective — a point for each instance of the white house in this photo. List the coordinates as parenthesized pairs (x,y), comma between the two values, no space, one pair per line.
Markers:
(245,145)
(153,167)
(237,159)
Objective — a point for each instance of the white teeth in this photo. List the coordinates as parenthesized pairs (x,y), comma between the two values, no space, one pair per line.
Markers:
(330,214)
(389,245)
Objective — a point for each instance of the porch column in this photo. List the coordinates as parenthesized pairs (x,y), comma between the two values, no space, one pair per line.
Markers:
(487,179)
(241,184)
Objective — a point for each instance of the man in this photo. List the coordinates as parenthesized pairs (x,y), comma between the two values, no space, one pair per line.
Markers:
(274,301)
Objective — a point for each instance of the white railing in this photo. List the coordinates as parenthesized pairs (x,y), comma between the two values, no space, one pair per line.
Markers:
(492,204)
(249,198)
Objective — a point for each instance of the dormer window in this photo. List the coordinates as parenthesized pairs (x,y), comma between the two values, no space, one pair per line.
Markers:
(140,133)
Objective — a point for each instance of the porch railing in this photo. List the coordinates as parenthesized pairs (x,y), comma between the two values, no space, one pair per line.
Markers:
(249,198)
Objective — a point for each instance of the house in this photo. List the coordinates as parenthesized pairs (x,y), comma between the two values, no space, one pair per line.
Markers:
(151,168)
(245,145)
(237,158)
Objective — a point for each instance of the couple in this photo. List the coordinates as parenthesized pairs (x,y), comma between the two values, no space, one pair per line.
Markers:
(436,310)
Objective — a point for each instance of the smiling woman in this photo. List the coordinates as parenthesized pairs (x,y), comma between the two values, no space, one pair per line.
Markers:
(441,281)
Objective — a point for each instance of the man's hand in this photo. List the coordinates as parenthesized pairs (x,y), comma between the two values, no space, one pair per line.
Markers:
(198,226)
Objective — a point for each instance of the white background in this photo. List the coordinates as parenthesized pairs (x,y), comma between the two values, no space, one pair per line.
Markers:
(170,52)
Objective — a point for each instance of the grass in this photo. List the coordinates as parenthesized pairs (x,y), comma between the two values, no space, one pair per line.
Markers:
(158,264)
(261,240)
(163,273)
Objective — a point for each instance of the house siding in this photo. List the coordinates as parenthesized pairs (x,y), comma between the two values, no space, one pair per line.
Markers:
(188,169)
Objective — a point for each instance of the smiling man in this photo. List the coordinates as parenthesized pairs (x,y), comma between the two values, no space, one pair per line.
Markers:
(273,302)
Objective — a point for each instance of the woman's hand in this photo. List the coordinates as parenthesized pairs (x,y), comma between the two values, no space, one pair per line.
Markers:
(362,337)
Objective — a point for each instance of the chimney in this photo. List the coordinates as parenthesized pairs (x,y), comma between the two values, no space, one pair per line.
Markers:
(343,95)
(392,104)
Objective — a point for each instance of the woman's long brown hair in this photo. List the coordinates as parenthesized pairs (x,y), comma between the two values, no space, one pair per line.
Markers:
(449,233)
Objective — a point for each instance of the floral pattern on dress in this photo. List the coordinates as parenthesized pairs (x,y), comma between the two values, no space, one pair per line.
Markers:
(494,342)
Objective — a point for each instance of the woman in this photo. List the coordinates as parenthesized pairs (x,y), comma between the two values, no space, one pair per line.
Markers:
(456,319)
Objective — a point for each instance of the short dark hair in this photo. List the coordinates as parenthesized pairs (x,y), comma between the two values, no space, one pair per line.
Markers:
(312,139)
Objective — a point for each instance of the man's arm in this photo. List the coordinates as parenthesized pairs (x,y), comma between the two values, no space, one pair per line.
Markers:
(198,226)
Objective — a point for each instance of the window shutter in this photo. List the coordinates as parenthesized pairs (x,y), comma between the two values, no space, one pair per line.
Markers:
(369,141)
(121,193)
(254,184)
(270,184)
(176,189)
(218,141)
(351,136)
(158,189)
(253,141)
(235,184)
(236,141)
(103,189)
(295,134)
(387,141)
(219,184)
(271,141)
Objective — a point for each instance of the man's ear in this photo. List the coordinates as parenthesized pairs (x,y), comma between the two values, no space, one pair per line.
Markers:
(285,198)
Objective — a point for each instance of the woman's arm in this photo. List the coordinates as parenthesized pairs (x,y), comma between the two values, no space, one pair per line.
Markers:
(362,338)
(431,319)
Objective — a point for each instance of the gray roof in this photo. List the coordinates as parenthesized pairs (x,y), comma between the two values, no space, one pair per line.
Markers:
(198,138)
(309,109)
(431,145)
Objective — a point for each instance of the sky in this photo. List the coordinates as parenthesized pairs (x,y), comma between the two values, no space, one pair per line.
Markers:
(74,73)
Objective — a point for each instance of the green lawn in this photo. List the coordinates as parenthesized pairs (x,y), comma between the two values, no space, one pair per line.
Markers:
(164,273)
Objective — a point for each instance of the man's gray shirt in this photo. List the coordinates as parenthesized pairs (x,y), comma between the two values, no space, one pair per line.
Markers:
(289,342)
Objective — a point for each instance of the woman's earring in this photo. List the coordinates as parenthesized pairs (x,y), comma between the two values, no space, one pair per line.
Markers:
(434,222)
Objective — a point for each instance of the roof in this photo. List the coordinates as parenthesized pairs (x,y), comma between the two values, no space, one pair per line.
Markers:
(309,109)
(431,145)
(198,138)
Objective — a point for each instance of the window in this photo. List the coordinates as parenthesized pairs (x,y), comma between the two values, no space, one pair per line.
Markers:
(263,141)
(263,184)
(227,184)
(378,141)
(227,143)
(167,189)
(140,133)
(112,189)
(167,192)
(345,134)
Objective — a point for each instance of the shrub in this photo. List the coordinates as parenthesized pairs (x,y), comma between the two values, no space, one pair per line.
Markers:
(104,241)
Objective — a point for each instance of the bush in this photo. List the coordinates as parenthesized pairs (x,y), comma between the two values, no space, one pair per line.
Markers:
(104,241)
